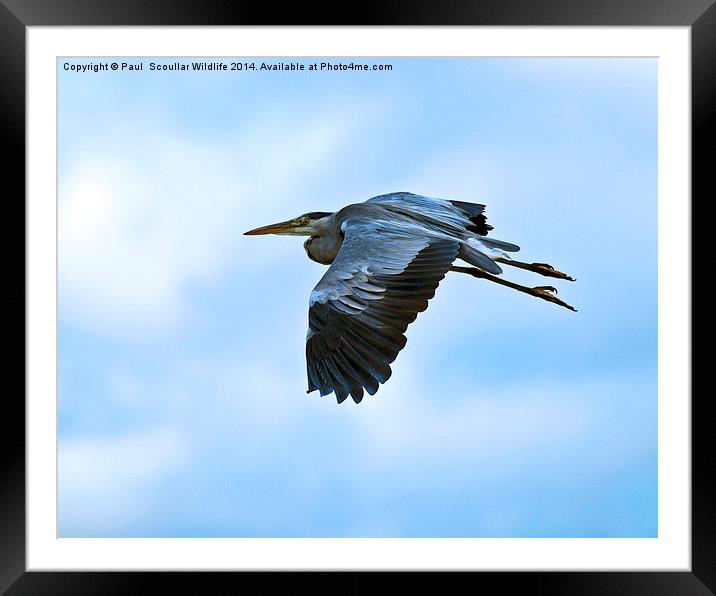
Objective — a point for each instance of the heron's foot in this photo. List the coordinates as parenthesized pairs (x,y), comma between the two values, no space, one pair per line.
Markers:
(549,293)
(541,268)
(549,271)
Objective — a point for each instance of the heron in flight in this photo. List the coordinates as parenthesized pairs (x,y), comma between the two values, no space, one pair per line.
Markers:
(387,257)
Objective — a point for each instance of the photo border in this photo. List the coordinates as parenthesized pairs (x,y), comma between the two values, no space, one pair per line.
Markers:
(12,70)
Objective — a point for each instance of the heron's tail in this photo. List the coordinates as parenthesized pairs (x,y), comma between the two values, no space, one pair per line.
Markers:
(471,253)
(482,251)
(501,244)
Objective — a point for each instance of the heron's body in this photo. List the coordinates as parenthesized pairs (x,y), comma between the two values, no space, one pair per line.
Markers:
(406,212)
(387,257)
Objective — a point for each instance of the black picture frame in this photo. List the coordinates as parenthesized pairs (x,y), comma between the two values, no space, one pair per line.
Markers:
(16,15)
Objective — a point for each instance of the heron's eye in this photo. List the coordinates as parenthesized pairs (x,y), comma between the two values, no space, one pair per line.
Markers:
(305,221)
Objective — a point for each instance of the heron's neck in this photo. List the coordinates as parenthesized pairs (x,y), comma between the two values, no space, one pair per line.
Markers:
(323,227)
(325,242)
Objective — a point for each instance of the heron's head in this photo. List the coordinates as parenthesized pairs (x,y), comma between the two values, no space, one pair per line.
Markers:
(308,224)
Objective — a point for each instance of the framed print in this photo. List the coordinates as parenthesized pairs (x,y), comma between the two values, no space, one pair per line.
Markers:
(516,429)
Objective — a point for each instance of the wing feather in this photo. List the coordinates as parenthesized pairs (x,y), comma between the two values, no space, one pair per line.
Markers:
(451,216)
(359,311)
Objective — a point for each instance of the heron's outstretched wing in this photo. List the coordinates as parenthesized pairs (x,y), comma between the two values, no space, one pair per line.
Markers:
(378,283)
(449,215)
(456,214)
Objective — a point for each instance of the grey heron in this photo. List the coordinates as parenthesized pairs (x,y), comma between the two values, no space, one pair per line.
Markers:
(387,257)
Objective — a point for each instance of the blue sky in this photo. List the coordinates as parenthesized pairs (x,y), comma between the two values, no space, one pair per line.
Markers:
(182,404)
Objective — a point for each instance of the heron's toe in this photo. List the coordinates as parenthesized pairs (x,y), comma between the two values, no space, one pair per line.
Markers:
(549,293)
(549,271)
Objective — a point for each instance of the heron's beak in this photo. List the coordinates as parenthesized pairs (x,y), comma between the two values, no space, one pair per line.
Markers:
(284,227)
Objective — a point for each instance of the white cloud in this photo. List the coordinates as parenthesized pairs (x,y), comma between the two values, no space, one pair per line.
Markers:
(107,483)
(410,422)
(255,436)
(147,215)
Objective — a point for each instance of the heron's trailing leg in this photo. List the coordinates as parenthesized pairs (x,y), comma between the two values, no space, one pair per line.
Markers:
(545,292)
(541,268)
